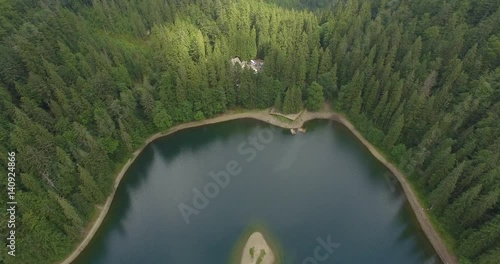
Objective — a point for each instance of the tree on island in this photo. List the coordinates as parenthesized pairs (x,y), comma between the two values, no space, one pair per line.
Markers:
(261,256)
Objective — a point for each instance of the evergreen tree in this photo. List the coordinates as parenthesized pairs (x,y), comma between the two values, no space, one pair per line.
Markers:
(315,97)
(491,256)
(478,210)
(89,187)
(442,193)
(456,210)
(481,239)
(394,131)
(278,102)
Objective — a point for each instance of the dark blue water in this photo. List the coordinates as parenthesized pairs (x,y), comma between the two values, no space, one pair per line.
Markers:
(319,186)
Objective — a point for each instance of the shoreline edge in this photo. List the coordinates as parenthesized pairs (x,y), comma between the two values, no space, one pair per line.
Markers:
(264,116)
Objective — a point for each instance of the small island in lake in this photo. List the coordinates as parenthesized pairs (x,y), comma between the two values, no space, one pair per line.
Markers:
(257,251)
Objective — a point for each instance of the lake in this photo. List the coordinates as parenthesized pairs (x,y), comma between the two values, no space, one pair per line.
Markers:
(189,196)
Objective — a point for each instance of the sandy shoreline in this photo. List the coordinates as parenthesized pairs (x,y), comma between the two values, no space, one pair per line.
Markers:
(263,115)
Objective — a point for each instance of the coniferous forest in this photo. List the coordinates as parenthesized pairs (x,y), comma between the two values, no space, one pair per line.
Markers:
(84,83)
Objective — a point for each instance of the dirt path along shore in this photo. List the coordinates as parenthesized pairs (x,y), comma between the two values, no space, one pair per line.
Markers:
(263,115)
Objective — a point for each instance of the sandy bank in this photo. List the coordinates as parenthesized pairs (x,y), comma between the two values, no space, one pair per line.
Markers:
(263,115)
(256,249)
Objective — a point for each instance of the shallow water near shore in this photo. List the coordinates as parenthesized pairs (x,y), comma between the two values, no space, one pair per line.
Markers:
(306,188)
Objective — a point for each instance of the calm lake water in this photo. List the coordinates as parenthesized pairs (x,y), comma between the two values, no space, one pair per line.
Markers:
(303,188)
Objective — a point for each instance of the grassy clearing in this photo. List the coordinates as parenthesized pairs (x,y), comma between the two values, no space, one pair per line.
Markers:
(283,119)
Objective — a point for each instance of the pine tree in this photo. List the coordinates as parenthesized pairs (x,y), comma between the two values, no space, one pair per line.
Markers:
(490,257)
(456,210)
(442,193)
(105,125)
(313,65)
(68,210)
(328,81)
(89,187)
(380,106)
(481,239)
(296,99)
(441,165)
(477,210)
(315,97)
(65,185)
(162,119)
(394,131)
(326,62)
(278,103)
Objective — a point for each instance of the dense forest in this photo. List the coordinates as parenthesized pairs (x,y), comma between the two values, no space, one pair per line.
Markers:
(84,83)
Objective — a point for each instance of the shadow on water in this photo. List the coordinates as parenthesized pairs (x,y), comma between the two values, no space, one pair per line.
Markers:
(132,180)
(196,138)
